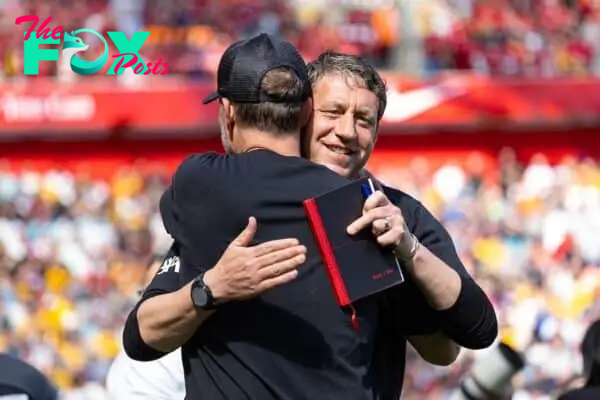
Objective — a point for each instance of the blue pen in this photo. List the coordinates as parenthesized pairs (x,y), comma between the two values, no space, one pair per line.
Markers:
(368,188)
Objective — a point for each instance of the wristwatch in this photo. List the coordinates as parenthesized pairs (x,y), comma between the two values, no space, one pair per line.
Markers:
(202,297)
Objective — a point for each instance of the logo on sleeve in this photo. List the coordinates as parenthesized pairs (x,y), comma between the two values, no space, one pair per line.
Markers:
(171,263)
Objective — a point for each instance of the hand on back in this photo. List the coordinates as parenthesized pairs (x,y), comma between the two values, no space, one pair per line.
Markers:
(246,271)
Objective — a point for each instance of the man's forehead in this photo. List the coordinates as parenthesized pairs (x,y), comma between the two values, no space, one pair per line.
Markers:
(349,79)
(333,87)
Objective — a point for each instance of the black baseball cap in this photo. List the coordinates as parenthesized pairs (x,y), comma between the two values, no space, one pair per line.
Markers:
(245,63)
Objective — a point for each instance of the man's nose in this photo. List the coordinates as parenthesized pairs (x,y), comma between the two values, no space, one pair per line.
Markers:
(346,129)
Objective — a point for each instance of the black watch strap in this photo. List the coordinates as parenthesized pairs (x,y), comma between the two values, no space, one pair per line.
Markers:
(202,296)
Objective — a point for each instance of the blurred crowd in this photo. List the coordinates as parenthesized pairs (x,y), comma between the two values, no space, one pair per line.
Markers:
(533,38)
(521,38)
(73,252)
(192,35)
(530,236)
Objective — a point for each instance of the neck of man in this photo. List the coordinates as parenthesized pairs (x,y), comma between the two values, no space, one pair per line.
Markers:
(287,144)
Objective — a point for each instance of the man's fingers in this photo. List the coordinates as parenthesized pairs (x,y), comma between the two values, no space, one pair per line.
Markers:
(269,259)
(281,268)
(380,226)
(366,220)
(278,281)
(390,238)
(246,236)
(377,199)
(273,246)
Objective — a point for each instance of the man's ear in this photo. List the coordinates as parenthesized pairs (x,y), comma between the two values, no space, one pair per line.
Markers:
(229,112)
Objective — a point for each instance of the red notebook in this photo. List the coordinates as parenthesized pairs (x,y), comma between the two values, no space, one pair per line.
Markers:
(357,265)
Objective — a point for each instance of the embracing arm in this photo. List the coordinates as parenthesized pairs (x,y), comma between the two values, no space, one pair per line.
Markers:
(449,304)
(436,349)
(167,318)
(164,323)
(435,287)
(441,287)
(462,310)
(164,318)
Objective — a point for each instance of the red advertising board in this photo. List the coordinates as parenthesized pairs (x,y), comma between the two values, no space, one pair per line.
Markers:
(169,106)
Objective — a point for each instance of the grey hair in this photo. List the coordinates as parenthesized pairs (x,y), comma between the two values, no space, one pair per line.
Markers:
(351,66)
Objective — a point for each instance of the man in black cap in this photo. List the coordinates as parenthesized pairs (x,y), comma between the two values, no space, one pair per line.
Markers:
(264,329)
(21,381)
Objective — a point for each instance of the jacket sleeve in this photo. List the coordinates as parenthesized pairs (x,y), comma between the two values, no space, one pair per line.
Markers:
(167,279)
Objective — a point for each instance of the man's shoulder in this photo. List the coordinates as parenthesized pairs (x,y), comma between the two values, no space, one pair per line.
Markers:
(397,197)
(243,163)
(421,222)
(410,206)
(200,160)
(197,166)
(291,172)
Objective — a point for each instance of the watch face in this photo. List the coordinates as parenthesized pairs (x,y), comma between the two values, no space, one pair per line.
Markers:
(199,296)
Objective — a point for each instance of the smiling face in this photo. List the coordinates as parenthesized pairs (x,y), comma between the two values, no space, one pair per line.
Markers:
(343,129)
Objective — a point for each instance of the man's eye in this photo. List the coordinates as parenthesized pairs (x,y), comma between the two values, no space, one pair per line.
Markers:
(366,122)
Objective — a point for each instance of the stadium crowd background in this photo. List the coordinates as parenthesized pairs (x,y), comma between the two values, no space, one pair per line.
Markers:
(73,246)
(547,38)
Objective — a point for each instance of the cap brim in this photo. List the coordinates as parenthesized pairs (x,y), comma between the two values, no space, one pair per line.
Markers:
(211,97)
